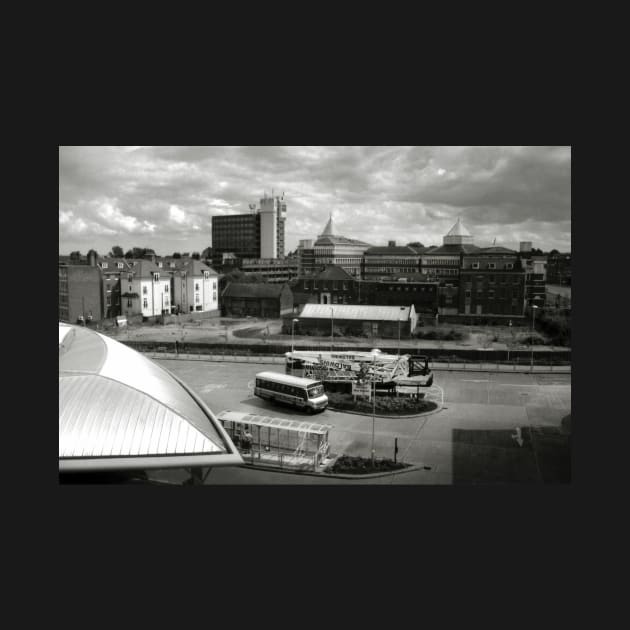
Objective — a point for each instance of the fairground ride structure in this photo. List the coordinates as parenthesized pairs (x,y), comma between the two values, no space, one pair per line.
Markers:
(361,367)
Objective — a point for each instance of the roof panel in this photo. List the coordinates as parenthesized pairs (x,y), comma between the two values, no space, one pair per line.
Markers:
(355,312)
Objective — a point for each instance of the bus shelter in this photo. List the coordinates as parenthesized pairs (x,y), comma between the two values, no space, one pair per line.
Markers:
(277,441)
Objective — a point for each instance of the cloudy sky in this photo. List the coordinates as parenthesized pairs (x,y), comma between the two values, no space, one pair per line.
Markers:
(164,197)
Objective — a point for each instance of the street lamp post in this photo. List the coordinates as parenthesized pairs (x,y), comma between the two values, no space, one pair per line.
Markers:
(402,308)
(292,328)
(508,344)
(373,402)
(332,325)
(534,307)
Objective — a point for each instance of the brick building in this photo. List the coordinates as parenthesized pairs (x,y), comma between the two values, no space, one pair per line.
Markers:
(334,285)
(256,300)
(381,263)
(492,283)
(370,321)
(559,269)
(80,293)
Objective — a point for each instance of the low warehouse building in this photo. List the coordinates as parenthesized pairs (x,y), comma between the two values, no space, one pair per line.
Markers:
(347,319)
(256,300)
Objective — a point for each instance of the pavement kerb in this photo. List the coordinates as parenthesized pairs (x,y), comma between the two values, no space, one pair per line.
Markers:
(410,468)
(361,413)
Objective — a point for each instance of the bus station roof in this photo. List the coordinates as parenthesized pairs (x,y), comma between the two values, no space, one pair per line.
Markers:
(276,423)
(120,410)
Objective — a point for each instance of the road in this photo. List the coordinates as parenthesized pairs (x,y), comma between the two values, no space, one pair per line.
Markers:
(494,427)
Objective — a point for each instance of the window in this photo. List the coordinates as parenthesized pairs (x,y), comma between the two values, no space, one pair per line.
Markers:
(104,265)
(129,304)
(166,288)
(509,266)
(145,304)
(120,265)
(214,286)
(214,296)
(475,265)
(197,300)
(160,265)
(144,290)
(130,277)
(492,265)
(206,275)
(130,288)
(196,286)
(156,277)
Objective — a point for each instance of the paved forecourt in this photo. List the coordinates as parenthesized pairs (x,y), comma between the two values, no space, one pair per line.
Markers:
(483,433)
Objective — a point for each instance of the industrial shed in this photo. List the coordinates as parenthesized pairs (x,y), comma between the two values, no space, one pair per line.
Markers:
(256,300)
(348,319)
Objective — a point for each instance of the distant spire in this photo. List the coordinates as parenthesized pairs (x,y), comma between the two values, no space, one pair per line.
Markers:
(328,230)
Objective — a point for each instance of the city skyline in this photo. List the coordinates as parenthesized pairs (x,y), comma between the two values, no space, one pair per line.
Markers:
(164,197)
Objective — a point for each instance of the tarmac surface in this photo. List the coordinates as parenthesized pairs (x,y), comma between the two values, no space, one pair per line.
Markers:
(495,427)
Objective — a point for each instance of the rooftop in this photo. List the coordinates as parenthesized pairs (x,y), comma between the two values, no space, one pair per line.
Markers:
(253,290)
(358,312)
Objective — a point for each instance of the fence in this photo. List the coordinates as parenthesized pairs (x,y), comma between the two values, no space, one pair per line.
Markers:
(436,355)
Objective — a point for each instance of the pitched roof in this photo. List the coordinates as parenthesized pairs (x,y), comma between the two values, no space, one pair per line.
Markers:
(144,268)
(334,272)
(195,268)
(328,230)
(356,312)
(496,250)
(398,250)
(453,249)
(339,240)
(459,230)
(253,290)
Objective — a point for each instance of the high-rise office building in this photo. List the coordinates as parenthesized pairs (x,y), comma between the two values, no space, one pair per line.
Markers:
(259,234)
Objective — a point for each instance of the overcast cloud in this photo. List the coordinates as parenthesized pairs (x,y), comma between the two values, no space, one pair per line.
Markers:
(164,197)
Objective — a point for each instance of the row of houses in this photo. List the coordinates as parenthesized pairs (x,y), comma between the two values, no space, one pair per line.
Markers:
(106,287)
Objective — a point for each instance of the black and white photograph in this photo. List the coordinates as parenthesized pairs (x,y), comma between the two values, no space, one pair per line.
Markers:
(319,315)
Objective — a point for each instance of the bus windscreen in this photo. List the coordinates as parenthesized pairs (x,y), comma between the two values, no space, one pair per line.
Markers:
(315,391)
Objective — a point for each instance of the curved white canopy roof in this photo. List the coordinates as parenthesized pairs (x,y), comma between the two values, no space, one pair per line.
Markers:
(118,409)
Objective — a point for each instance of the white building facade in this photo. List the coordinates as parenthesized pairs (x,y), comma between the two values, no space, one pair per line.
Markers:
(153,288)
(196,288)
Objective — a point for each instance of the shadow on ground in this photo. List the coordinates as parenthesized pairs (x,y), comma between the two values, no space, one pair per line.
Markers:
(535,455)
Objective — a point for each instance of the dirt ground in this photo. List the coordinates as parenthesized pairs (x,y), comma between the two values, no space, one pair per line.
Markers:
(255,330)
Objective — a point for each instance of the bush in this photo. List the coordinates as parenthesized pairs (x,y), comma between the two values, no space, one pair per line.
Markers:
(362,465)
(389,405)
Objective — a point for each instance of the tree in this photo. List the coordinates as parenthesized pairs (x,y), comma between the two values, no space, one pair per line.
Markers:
(206,253)
(129,253)
(554,252)
(75,256)
(196,255)
(415,244)
(117,251)
(176,255)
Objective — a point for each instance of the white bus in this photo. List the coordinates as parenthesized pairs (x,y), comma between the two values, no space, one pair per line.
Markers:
(304,393)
